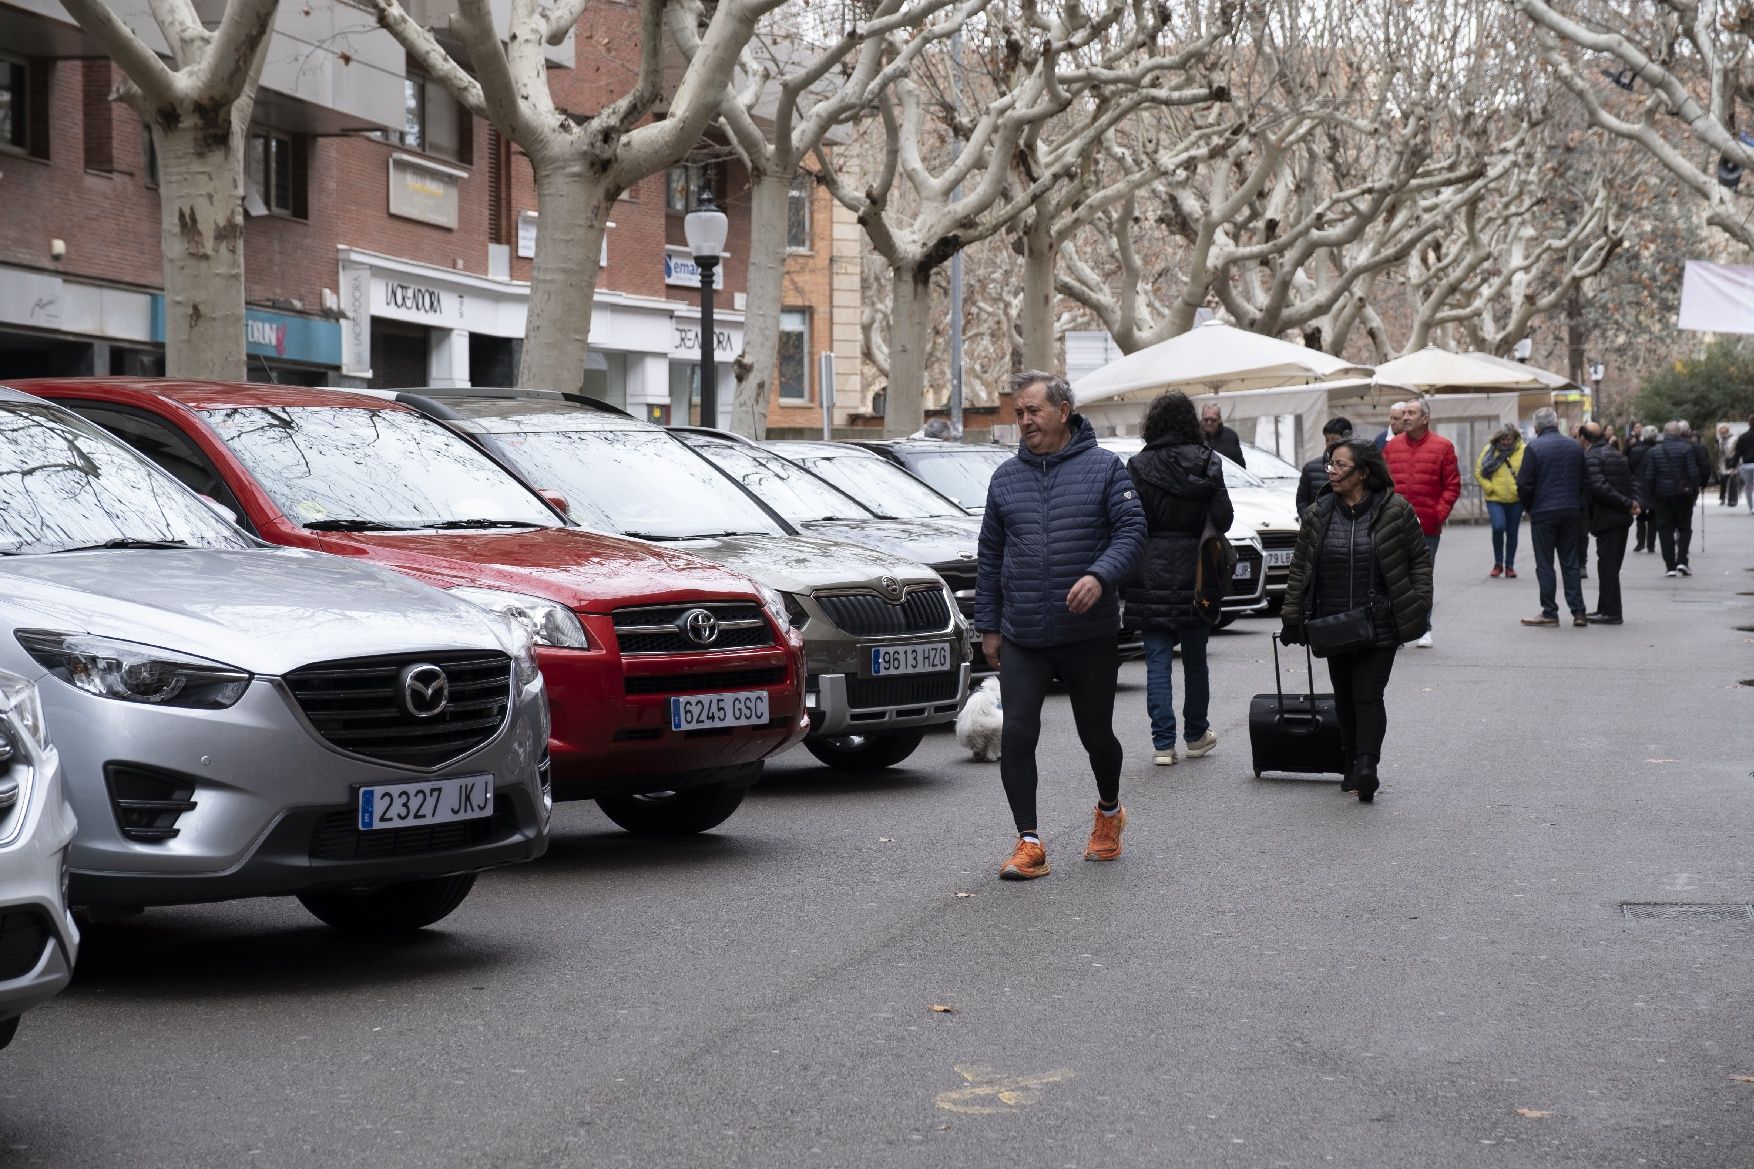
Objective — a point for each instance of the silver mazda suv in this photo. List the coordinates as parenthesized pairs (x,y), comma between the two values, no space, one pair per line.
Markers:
(236,720)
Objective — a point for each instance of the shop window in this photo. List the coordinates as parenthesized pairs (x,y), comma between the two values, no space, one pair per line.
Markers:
(794,355)
(798,213)
(274,174)
(683,185)
(24,105)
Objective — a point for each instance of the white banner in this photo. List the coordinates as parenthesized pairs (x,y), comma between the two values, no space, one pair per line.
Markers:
(1717,298)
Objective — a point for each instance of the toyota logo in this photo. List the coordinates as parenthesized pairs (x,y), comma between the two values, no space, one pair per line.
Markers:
(891,586)
(701,626)
(425,690)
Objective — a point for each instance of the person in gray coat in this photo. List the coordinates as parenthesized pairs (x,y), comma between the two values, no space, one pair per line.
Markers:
(1061,534)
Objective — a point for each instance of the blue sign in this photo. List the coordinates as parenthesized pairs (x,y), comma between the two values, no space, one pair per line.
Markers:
(281,336)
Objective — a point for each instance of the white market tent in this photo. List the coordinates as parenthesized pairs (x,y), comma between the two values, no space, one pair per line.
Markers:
(1432,371)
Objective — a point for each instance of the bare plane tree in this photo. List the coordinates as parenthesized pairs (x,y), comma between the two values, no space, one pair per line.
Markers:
(197,109)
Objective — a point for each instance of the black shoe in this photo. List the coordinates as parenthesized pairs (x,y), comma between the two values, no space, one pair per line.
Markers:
(1602,619)
(1349,781)
(1364,775)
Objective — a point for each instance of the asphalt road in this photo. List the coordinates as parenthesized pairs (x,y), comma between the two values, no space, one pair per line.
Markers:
(1272,975)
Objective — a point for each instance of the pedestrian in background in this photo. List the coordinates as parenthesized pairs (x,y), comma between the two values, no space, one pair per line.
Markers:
(1495,471)
(1181,489)
(1701,456)
(1613,505)
(1422,464)
(1583,515)
(1315,472)
(1729,482)
(1644,538)
(1745,463)
(1219,436)
(1671,481)
(1551,484)
(1061,532)
(1360,546)
(1397,421)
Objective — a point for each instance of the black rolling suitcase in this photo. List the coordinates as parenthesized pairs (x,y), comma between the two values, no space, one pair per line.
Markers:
(1295,732)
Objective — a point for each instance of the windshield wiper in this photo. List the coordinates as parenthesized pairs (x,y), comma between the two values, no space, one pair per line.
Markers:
(353,525)
(452,525)
(128,542)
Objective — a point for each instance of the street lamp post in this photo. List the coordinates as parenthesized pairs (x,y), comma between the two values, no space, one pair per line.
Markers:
(705,228)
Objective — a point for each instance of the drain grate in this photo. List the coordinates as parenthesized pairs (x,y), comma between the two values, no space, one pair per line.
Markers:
(1684,911)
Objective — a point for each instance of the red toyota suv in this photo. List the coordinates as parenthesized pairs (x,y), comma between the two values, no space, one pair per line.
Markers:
(670,678)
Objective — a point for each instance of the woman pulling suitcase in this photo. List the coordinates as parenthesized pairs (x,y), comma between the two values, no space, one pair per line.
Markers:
(1360,586)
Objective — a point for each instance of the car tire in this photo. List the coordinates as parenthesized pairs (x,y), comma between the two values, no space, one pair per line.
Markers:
(1225,620)
(683,813)
(389,909)
(7,1030)
(866,752)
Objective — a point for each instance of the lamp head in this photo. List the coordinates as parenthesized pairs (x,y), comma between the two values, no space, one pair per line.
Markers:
(705,228)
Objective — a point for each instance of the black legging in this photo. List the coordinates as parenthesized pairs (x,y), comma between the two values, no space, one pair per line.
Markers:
(1088,669)
(1359,681)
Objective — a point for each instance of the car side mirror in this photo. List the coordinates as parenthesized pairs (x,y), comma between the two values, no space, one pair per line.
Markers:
(555,500)
(219,509)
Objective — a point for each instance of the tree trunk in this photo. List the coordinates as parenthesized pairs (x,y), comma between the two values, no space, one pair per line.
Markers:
(573,203)
(757,364)
(1576,336)
(1041,257)
(910,327)
(201,229)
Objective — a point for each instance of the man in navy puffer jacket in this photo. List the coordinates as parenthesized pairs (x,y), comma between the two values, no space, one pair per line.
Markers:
(1062,531)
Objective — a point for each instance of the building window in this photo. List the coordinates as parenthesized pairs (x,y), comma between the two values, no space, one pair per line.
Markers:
(413,134)
(274,174)
(24,106)
(794,355)
(798,213)
(432,122)
(149,148)
(683,185)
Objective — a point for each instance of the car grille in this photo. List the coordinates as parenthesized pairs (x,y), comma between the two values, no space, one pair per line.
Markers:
(915,690)
(660,629)
(356,705)
(960,576)
(924,609)
(337,836)
(690,683)
(1241,586)
(23,934)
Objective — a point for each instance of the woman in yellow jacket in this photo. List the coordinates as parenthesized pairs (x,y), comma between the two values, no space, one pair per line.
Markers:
(1495,470)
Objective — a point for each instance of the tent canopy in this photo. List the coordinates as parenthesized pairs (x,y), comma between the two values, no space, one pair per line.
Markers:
(1433,370)
(1211,358)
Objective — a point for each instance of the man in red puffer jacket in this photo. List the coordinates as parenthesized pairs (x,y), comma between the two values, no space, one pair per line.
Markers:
(1423,464)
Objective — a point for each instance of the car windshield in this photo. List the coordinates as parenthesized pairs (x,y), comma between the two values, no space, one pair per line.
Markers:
(786,487)
(635,483)
(961,473)
(881,486)
(64,484)
(1267,465)
(341,468)
(1235,475)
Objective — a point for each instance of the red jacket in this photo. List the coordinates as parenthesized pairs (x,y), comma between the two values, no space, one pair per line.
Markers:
(1426,476)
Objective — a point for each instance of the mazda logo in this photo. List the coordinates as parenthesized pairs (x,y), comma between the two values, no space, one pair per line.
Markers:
(425,690)
(701,626)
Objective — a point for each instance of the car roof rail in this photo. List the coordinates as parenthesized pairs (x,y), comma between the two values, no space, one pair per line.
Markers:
(714,432)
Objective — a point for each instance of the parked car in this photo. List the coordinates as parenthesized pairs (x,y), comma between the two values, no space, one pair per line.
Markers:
(670,678)
(959,470)
(883,486)
(1275,473)
(38,940)
(238,721)
(887,652)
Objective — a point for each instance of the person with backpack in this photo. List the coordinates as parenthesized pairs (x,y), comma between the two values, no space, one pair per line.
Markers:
(1360,587)
(1671,481)
(1180,481)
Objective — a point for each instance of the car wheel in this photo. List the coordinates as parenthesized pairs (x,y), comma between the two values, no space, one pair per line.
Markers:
(866,752)
(389,909)
(683,813)
(1225,620)
(7,1030)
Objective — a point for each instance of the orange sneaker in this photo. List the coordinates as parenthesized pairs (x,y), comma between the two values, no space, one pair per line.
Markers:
(1029,860)
(1105,837)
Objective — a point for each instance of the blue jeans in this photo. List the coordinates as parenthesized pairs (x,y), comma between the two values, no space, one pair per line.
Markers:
(1557,535)
(1160,690)
(1506,519)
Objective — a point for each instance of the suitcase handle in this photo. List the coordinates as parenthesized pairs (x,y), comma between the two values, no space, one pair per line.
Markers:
(1309,664)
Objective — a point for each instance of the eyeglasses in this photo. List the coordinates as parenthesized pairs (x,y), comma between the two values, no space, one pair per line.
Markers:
(1343,468)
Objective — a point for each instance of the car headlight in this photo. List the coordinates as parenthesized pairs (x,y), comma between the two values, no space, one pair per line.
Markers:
(523,651)
(547,622)
(130,672)
(779,607)
(21,712)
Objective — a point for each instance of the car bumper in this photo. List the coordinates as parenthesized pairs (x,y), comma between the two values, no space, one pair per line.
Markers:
(38,940)
(832,699)
(271,804)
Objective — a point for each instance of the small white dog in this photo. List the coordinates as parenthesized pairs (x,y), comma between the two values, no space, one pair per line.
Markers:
(982,722)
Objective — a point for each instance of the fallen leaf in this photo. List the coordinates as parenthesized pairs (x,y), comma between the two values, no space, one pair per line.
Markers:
(1743,1079)
(965,894)
(886,840)
(1662,760)
(1531,1113)
(943,1008)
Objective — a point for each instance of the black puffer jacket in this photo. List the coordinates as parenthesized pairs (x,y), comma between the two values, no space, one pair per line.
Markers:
(1670,470)
(1180,485)
(1347,574)
(1397,543)
(1315,477)
(1611,494)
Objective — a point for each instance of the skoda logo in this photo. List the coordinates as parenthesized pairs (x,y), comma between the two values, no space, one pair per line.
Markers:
(425,690)
(891,587)
(701,626)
